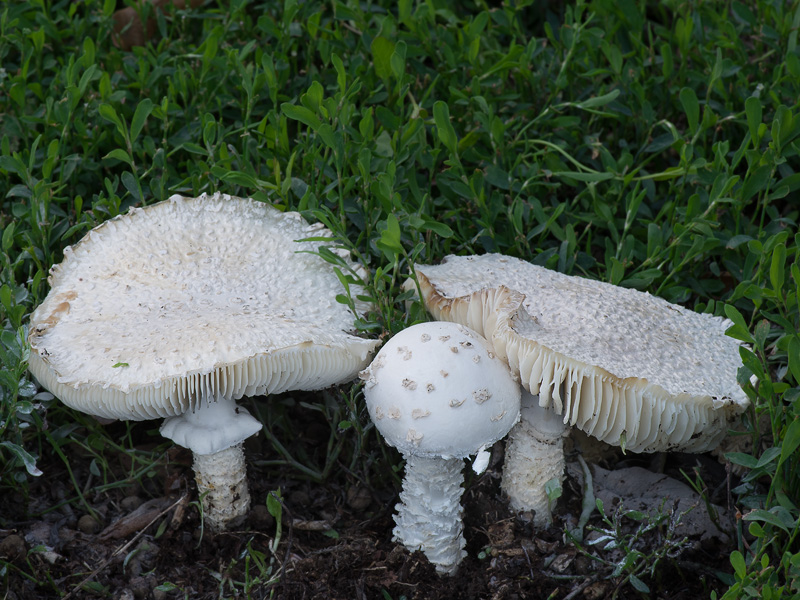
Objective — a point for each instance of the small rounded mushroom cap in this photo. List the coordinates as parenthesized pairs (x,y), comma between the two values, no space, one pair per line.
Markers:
(438,390)
(622,365)
(210,297)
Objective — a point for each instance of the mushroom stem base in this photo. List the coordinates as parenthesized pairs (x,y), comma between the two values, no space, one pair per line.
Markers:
(429,512)
(222,485)
(534,456)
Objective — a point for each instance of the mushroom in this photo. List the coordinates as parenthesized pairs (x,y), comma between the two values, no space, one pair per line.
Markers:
(626,367)
(438,394)
(179,309)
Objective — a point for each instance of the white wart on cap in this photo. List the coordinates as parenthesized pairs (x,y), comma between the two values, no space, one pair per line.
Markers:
(437,393)
(622,365)
(168,309)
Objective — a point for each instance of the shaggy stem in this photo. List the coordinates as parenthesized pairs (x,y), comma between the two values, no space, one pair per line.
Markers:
(222,485)
(534,456)
(429,514)
(214,430)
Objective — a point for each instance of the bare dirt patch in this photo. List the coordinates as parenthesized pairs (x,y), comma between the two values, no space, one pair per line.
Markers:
(335,542)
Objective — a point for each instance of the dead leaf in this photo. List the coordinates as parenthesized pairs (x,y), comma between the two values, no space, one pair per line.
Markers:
(135,521)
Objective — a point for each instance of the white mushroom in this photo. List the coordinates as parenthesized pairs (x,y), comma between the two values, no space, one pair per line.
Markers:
(179,309)
(437,407)
(626,367)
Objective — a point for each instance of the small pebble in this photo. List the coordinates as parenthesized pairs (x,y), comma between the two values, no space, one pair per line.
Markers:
(130,503)
(358,497)
(88,524)
(260,517)
(140,587)
(299,498)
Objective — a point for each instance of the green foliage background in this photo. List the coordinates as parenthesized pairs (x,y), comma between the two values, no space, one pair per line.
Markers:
(650,144)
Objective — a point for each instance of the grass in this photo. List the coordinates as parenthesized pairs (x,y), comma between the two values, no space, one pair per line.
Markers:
(652,145)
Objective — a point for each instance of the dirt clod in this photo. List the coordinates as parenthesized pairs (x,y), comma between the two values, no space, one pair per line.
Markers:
(12,547)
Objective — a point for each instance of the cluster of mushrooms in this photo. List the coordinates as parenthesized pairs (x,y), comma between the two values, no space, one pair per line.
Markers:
(179,309)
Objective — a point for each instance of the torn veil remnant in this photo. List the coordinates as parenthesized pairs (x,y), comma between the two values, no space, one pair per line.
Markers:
(178,309)
(437,393)
(626,367)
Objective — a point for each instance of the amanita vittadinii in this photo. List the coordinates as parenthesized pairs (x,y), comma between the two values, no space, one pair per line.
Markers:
(623,366)
(438,394)
(179,309)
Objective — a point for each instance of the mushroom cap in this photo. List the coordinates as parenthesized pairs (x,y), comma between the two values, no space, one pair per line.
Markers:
(209,297)
(617,363)
(438,390)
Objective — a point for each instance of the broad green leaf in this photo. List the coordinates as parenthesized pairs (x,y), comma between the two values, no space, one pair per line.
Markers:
(756,182)
(767,516)
(777,268)
(389,242)
(553,489)
(121,155)
(691,107)
(130,183)
(312,99)
(599,100)
(743,459)
(24,456)
(341,73)
(398,60)
(793,352)
(382,50)
(89,50)
(240,178)
(143,110)
(667,61)
(716,71)
(439,229)
(752,108)
(739,329)
(444,129)
(791,441)
(768,457)
(274,506)
(8,236)
(109,114)
(739,565)
(640,585)
(302,114)
(325,131)
(404,11)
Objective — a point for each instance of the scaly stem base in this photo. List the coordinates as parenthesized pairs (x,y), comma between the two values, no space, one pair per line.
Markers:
(429,513)
(534,455)
(222,485)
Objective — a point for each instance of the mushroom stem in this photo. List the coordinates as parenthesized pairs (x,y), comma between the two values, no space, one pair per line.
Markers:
(222,486)
(534,456)
(214,431)
(429,512)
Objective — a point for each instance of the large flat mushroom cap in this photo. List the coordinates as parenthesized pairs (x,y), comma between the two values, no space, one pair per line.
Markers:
(193,297)
(617,363)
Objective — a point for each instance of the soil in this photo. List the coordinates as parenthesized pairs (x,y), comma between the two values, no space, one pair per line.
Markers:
(335,541)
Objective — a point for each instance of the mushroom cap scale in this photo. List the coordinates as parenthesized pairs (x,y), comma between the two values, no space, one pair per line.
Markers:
(209,297)
(438,390)
(614,361)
